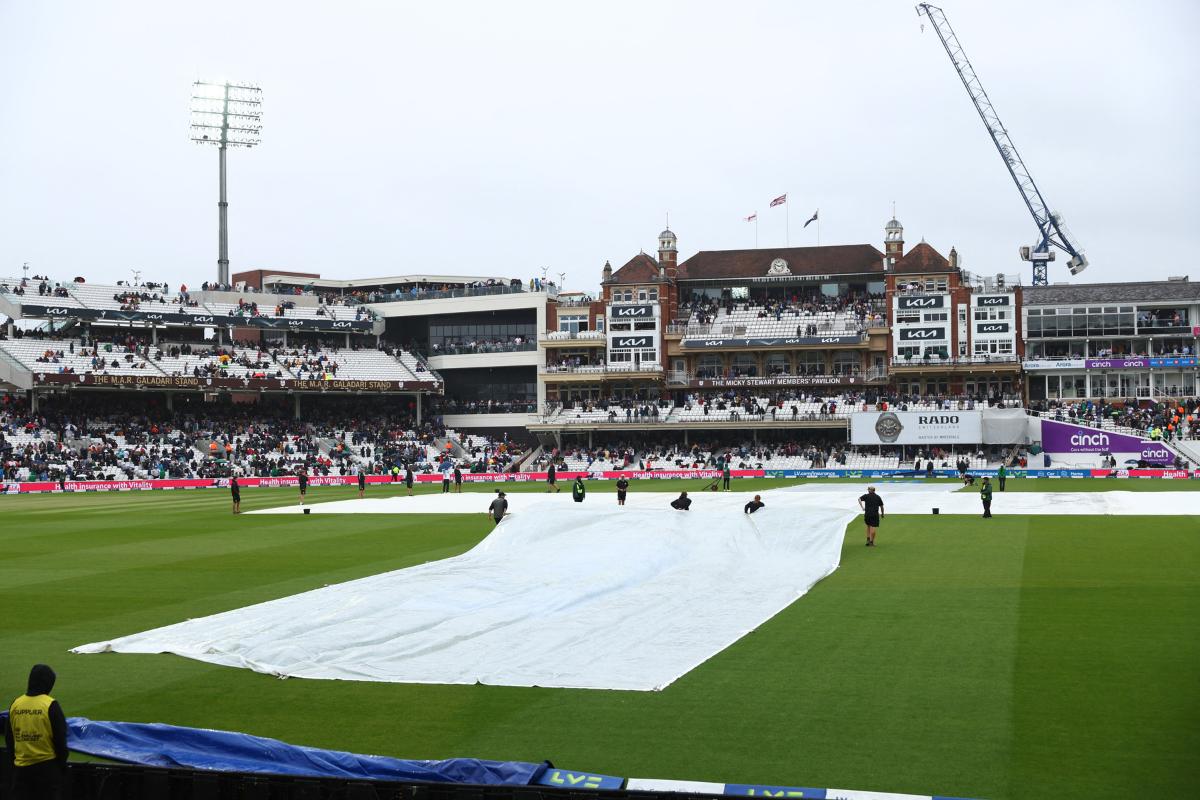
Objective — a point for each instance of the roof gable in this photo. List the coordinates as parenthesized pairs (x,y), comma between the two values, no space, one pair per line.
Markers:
(639,269)
(847,259)
(922,259)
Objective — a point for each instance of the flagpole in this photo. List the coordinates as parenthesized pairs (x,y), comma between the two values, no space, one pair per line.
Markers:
(787,224)
(755,230)
(818,227)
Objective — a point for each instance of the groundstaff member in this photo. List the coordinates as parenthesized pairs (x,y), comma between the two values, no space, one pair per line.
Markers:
(985,494)
(552,479)
(302,479)
(498,508)
(408,478)
(622,489)
(578,490)
(362,480)
(682,503)
(1001,474)
(36,738)
(235,491)
(872,508)
(754,505)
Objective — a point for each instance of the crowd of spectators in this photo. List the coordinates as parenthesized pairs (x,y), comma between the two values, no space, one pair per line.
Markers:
(863,306)
(495,345)
(110,437)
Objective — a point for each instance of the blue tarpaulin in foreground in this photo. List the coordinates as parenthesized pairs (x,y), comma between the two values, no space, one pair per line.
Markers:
(158,745)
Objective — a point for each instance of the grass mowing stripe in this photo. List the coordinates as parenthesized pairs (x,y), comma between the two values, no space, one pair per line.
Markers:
(1108,700)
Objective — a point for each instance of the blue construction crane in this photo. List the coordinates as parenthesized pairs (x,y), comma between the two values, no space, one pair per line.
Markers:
(1050,224)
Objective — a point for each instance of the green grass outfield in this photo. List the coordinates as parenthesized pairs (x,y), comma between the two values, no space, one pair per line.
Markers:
(1016,657)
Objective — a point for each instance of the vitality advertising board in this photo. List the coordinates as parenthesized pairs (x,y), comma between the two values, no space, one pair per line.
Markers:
(24,487)
(916,427)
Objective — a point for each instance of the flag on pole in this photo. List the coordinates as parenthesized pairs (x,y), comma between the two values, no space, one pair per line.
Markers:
(753,217)
(778,201)
(812,219)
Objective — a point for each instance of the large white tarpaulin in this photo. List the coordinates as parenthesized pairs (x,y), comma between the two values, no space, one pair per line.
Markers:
(916,427)
(560,594)
(1005,426)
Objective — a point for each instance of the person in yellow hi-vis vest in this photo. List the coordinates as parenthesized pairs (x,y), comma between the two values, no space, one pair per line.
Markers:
(36,737)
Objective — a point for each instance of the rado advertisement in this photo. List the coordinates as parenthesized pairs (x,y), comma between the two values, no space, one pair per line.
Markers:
(916,427)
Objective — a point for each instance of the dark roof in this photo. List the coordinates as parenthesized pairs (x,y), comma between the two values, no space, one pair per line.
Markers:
(1133,292)
(639,269)
(921,260)
(848,259)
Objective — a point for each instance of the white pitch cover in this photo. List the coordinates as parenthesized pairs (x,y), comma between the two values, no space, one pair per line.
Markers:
(561,594)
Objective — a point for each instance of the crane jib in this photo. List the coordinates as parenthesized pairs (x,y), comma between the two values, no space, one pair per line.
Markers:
(1051,230)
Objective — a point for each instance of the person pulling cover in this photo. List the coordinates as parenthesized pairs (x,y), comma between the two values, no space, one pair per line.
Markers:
(754,505)
(498,508)
(682,503)
(578,490)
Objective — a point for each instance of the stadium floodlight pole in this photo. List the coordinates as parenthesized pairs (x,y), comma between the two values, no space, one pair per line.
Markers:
(227,115)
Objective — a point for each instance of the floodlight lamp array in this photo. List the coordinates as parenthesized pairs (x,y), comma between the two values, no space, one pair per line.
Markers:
(226,114)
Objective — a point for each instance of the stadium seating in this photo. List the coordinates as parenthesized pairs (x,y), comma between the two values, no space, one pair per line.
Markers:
(29,350)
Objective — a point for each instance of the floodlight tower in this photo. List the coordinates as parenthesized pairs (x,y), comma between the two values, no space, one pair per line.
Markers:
(226,115)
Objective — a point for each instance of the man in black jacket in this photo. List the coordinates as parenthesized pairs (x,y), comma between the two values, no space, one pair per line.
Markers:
(682,503)
(36,738)
(754,505)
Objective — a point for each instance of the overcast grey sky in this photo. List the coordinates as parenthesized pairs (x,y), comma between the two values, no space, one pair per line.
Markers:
(498,138)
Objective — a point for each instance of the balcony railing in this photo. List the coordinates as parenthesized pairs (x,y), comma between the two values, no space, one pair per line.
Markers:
(475,348)
(601,369)
(553,337)
(936,361)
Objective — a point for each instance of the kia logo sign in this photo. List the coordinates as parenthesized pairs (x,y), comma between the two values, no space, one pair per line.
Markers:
(831,340)
(993,327)
(992,301)
(922,334)
(57,311)
(296,323)
(632,311)
(202,319)
(714,343)
(152,316)
(921,302)
(343,324)
(633,341)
